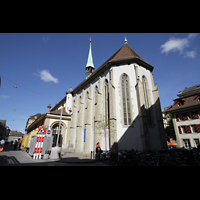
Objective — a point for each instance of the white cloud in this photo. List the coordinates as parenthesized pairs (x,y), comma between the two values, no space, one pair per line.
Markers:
(46,76)
(179,44)
(192,35)
(45,39)
(174,44)
(2,96)
(190,54)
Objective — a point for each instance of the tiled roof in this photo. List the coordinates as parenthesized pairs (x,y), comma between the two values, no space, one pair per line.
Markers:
(185,102)
(124,53)
(15,133)
(190,90)
(35,116)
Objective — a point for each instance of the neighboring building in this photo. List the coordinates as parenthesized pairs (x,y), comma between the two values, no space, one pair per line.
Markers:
(31,119)
(51,119)
(185,111)
(122,90)
(4,130)
(165,117)
(15,135)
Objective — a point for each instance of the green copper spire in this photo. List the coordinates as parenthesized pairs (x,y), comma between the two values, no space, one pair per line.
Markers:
(90,66)
(90,60)
(125,41)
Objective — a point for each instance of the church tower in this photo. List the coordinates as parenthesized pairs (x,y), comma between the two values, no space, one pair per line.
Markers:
(90,66)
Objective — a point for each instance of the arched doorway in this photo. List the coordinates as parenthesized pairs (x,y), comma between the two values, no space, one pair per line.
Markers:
(55,131)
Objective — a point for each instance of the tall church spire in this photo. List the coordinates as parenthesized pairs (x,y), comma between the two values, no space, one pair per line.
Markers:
(90,66)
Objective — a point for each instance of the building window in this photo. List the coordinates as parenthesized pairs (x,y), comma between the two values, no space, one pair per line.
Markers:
(126,99)
(179,102)
(147,100)
(196,142)
(198,128)
(195,115)
(186,129)
(186,143)
(177,118)
(185,116)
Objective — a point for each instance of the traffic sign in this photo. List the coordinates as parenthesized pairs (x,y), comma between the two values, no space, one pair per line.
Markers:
(41,130)
(48,133)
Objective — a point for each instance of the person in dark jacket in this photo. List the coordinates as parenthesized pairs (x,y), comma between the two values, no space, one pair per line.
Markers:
(15,144)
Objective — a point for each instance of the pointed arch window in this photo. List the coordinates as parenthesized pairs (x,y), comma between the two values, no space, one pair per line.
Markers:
(126,99)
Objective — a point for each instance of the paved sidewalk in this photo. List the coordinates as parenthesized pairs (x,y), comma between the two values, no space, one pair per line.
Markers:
(9,157)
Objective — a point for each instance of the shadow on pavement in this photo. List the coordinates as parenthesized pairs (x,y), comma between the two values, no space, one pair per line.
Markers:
(7,160)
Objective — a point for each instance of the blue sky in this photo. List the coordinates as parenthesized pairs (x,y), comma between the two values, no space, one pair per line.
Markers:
(45,65)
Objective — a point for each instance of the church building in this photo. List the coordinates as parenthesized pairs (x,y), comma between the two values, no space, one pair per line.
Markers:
(122,92)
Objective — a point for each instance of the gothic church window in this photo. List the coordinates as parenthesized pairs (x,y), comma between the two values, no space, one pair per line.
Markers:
(147,100)
(126,99)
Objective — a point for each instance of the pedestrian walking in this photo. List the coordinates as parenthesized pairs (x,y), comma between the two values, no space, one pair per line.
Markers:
(2,144)
(15,144)
(98,151)
(11,143)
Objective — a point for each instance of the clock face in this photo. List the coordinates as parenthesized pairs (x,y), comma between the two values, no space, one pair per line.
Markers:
(35,117)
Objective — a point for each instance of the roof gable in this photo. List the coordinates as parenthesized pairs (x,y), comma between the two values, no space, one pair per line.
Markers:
(125,52)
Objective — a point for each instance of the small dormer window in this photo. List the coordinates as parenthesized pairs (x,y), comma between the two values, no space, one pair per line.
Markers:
(179,102)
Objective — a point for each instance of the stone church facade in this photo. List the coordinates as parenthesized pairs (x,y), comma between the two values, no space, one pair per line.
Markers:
(121,90)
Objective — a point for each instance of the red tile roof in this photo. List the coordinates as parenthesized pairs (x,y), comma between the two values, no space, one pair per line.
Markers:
(15,133)
(185,102)
(125,52)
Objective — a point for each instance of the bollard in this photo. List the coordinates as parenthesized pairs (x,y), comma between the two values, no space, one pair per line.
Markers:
(92,154)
